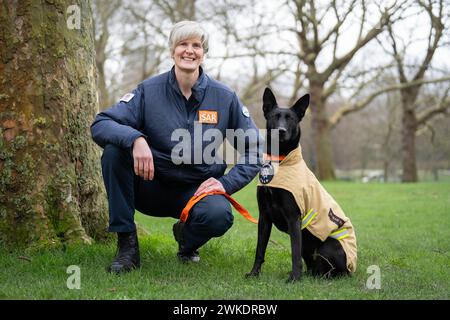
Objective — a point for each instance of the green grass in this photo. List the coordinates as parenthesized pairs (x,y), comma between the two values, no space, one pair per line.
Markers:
(402,228)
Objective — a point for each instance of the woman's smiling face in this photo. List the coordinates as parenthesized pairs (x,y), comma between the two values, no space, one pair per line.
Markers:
(188,54)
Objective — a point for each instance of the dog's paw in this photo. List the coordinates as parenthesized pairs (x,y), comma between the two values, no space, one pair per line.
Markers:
(252,274)
(293,278)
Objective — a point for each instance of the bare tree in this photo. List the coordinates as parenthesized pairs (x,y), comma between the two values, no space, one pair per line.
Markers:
(315,35)
(245,28)
(104,12)
(386,146)
(412,119)
(434,145)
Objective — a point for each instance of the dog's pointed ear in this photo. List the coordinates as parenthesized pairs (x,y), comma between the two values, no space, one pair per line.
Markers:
(300,106)
(269,101)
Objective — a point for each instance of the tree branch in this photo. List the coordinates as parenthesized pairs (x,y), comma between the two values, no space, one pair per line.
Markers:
(433,42)
(441,107)
(340,63)
(349,108)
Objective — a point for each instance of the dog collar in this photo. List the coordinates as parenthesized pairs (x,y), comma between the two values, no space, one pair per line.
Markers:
(269,157)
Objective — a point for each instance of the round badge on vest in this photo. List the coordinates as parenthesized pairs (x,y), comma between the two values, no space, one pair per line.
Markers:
(266,173)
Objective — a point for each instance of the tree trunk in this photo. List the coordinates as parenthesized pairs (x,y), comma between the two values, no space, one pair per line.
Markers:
(51,189)
(385,170)
(102,89)
(409,128)
(322,132)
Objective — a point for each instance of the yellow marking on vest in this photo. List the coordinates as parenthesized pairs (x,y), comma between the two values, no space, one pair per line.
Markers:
(340,234)
(308,218)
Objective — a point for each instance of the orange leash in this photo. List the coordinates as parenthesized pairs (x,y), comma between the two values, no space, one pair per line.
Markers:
(192,201)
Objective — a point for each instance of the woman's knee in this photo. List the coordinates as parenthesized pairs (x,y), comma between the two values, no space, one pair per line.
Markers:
(216,215)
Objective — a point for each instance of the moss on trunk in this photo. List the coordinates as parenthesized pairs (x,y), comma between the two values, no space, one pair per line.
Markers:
(50,187)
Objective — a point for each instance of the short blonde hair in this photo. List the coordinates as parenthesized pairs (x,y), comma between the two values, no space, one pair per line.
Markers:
(186,29)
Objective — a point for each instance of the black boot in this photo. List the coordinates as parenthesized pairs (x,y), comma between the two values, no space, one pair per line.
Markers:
(183,255)
(128,257)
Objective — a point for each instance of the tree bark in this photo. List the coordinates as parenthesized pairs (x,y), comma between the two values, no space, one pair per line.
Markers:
(102,89)
(409,128)
(324,168)
(51,189)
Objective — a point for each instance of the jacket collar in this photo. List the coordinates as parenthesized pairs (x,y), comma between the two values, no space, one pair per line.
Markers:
(199,88)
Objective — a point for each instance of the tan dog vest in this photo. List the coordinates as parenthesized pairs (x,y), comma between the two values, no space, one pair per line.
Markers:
(320,213)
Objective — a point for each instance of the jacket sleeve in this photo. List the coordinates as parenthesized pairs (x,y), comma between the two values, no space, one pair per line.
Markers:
(122,123)
(246,137)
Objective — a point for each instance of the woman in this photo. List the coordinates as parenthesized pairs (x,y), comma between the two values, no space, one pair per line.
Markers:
(140,161)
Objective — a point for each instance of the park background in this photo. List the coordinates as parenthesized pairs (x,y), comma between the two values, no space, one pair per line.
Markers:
(376,134)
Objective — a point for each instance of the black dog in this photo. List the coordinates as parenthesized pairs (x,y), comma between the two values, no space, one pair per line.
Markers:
(278,206)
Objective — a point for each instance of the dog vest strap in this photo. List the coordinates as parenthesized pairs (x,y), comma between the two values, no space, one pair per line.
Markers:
(192,201)
(308,218)
(339,234)
(269,157)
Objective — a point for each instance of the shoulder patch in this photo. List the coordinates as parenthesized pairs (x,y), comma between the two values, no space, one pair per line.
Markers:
(127,97)
(245,111)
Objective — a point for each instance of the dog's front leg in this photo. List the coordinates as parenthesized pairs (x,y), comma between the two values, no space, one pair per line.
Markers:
(296,249)
(264,229)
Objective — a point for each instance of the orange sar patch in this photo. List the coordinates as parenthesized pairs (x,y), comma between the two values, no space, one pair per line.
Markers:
(207,116)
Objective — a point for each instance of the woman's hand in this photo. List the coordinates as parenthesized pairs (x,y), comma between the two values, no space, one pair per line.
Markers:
(143,159)
(209,185)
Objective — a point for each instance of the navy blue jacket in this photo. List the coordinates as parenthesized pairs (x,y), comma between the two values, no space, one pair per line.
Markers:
(158,108)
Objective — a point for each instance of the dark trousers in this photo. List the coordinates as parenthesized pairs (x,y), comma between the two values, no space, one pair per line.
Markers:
(210,217)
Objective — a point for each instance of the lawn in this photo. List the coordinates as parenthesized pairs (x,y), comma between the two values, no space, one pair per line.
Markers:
(403,229)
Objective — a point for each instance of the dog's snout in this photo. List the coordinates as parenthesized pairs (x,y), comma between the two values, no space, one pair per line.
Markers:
(282,130)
